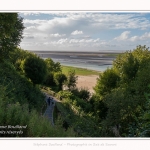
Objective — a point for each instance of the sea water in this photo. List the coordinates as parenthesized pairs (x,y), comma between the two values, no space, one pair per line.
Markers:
(85,65)
(92,61)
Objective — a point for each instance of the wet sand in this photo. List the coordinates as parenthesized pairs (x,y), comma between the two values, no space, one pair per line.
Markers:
(87,82)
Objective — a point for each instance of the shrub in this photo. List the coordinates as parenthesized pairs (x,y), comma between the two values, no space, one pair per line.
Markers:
(49,80)
(71,80)
(82,93)
(106,82)
(59,79)
(35,69)
(52,66)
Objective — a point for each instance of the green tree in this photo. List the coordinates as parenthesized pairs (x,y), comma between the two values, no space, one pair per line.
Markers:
(59,79)
(120,98)
(35,69)
(52,66)
(11,29)
(17,57)
(106,82)
(82,93)
(130,62)
(142,54)
(49,79)
(127,66)
(71,79)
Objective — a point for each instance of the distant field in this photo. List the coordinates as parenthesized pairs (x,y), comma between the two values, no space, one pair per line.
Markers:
(79,71)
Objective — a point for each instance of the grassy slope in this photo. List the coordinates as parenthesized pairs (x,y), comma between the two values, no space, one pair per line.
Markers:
(79,71)
(19,88)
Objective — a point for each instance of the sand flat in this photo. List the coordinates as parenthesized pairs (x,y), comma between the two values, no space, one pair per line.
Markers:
(87,82)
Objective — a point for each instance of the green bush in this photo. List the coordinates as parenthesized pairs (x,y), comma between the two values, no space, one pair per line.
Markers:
(84,94)
(49,80)
(106,82)
(52,66)
(59,79)
(71,80)
(35,69)
(17,57)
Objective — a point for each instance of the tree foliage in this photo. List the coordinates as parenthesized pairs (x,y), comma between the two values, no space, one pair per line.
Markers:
(11,29)
(52,66)
(82,93)
(59,79)
(71,79)
(35,69)
(127,66)
(120,91)
(17,57)
(106,82)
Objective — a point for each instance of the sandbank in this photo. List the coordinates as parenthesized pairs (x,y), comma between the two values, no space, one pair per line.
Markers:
(87,82)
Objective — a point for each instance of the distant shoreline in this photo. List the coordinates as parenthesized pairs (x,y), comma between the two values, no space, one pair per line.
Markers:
(100,68)
(98,61)
(76,52)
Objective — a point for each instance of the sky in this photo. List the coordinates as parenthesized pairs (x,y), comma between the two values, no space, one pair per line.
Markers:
(85,31)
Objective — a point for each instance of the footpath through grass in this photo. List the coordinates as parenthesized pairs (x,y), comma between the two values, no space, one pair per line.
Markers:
(79,71)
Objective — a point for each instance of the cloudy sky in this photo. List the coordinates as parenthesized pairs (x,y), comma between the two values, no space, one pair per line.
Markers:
(85,31)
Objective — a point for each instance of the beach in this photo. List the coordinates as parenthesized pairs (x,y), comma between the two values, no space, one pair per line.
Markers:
(96,61)
(87,82)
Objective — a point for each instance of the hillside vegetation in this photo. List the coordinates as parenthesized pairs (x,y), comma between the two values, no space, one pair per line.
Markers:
(120,106)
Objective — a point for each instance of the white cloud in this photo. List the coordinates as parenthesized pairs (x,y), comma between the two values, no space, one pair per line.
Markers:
(87,36)
(143,37)
(28,36)
(97,40)
(57,35)
(88,41)
(30,28)
(82,40)
(61,41)
(46,43)
(76,32)
(123,36)
(73,41)
(134,38)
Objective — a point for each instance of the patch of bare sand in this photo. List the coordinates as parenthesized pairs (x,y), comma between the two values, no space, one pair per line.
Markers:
(87,82)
